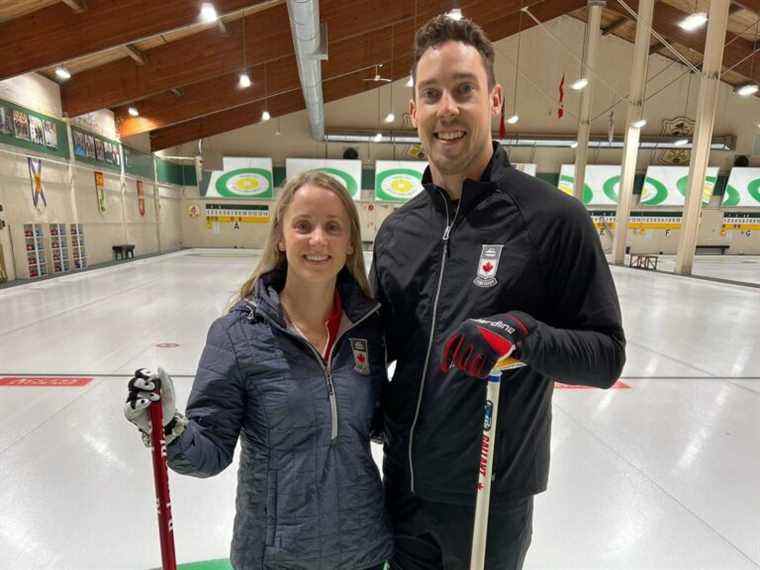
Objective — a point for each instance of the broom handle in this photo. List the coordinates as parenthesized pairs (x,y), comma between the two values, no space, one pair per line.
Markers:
(161,482)
(485,466)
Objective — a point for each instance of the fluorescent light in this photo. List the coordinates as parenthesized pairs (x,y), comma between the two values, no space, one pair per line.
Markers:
(62,73)
(513,119)
(693,21)
(265,116)
(133,111)
(378,137)
(208,13)
(390,117)
(410,82)
(245,81)
(454,14)
(640,124)
(574,144)
(580,84)
(747,90)
(681,142)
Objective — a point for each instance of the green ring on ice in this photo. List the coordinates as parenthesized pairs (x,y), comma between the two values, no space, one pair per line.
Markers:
(345,177)
(394,172)
(221,184)
(588,193)
(661,192)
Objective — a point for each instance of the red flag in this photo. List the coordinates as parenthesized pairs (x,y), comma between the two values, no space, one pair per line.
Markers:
(502,126)
(561,110)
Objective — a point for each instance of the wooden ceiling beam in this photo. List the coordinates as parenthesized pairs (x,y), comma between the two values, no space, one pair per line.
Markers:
(135,54)
(343,77)
(207,55)
(751,5)
(665,22)
(78,6)
(56,34)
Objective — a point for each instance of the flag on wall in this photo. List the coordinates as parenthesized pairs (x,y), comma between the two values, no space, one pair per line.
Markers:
(140,198)
(35,175)
(561,110)
(100,191)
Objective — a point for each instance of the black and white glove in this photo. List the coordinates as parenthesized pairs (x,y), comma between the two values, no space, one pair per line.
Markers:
(144,388)
(477,344)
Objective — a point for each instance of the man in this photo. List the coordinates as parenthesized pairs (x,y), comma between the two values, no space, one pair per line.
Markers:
(487,242)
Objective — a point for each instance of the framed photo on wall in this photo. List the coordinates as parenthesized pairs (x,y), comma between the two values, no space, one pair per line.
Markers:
(5,121)
(108,152)
(37,130)
(21,125)
(89,145)
(100,151)
(79,144)
(51,134)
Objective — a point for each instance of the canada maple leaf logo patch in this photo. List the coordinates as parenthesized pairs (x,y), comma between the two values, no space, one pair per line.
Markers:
(359,346)
(488,264)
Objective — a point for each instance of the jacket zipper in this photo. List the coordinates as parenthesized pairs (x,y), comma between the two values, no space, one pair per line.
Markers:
(445,238)
(326,367)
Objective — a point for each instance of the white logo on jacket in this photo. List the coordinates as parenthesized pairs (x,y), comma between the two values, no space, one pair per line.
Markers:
(361,355)
(488,265)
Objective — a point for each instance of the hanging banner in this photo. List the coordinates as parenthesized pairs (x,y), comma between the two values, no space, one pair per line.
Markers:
(140,198)
(347,172)
(668,185)
(525,167)
(601,187)
(743,189)
(35,175)
(242,178)
(398,180)
(100,191)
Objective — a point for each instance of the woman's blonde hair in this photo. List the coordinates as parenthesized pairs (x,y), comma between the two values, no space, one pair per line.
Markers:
(273,258)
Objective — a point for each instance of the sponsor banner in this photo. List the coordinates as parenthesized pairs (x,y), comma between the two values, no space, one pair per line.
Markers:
(43,381)
(398,180)
(347,172)
(601,186)
(35,175)
(242,178)
(668,185)
(236,214)
(638,221)
(743,189)
(525,167)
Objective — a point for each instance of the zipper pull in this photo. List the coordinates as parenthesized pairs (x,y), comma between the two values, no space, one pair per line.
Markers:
(446,233)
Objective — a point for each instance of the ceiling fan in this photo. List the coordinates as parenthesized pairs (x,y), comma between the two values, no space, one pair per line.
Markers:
(378,78)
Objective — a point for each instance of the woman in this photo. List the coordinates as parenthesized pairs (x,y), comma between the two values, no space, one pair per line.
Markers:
(295,369)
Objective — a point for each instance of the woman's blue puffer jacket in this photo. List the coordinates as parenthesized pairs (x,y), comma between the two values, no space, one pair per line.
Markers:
(309,494)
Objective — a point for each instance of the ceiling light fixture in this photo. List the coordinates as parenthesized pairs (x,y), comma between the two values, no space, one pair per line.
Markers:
(574,144)
(579,84)
(640,124)
(513,119)
(454,14)
(245,81)
(390,117)
(133,111)
(265,116)
(208,13)
(378,137)
(410,82)
(693,22)
(62,73)
(681,142)
(747,89)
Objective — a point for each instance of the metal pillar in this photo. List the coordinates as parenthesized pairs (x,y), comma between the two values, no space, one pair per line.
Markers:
(700,153)
(584,121)
(631,147)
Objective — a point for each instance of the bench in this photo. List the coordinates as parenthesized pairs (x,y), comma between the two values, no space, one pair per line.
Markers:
(711,249)
(123,251)
(648,262)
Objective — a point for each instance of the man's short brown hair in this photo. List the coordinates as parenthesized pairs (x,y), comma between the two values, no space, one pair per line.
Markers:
(442,29)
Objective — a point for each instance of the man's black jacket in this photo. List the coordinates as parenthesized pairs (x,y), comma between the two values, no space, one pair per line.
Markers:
(432,269)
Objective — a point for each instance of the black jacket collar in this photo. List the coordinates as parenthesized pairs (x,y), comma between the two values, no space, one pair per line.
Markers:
(473,190)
